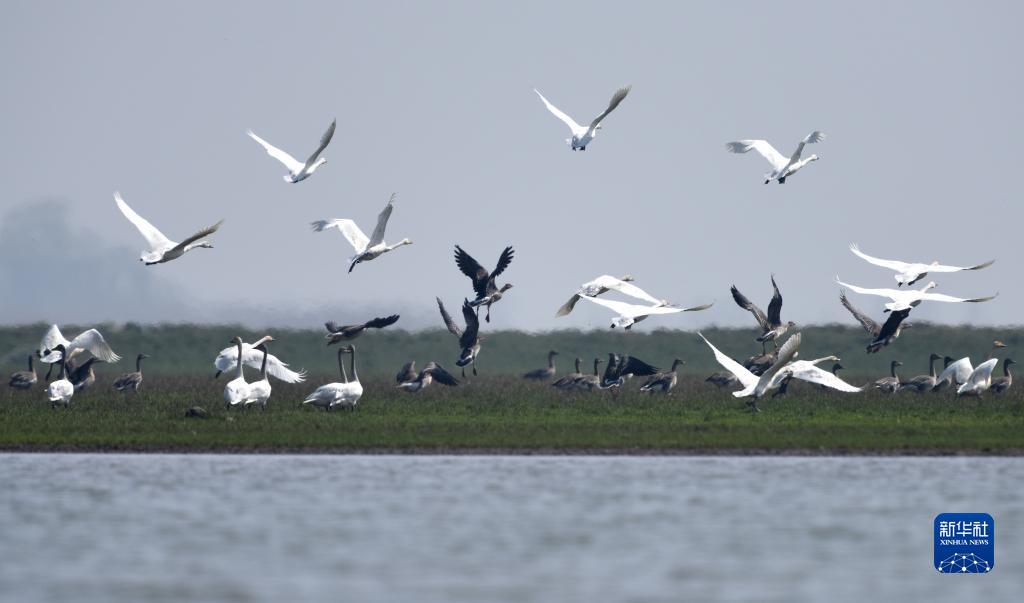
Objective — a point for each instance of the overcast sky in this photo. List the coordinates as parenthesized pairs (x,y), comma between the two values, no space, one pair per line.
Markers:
(920,101)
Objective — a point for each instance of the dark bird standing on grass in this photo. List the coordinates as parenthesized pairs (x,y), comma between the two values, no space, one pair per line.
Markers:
(131,381)
(1001,384)
(430,373)
(543,374)
(663,382)
(723,379)
(589,382)
(923,383)
(771,324)
(24,379)
(469,339)
(568,381)
(890,384)
(487,291)
(337,333)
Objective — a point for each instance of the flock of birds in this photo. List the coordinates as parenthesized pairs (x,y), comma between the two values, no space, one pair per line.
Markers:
(770,371)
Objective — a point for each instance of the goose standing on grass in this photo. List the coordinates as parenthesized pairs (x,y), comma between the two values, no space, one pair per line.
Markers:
(161,249)
(297,170)
(722,379)
(782,168)
(367,248)
(568,381)
(430,373)
(336,333)
(543,374)
(26,379)
(603,284)
(487,291)
(957,373)
(663,382)
(753,385)
(61,390)
(407,372)
(227,358)
(890,384)
(923,383)
(131,381)
(771,324)
(236,392)
(629,314)
(980,379)
(469,338)
(910,298)
(83,376)
(589,382)
(88,341)
(881,335)
(908,273)
(1002,384)
(581,136)
(259,391)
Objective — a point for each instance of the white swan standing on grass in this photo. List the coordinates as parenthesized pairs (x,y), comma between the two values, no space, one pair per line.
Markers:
(582,135)
(259,391)
(979,380)
(297,170)
(604,284)
(630,314)
(959,372)
(367,248)
(254,358)
(88,341)
(754,385)
(61,390)
(782,167)
(908,273)
(348,393)
(909,298)
(236,391)
(162,249)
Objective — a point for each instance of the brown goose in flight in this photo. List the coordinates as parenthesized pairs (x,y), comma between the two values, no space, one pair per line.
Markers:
(469,338)
(487,292)
(771,324)
(337,333)
(881,335)
(430,373)
(407,372)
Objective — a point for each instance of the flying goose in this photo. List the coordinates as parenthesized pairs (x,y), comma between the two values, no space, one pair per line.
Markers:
(336,333)
(430,373)
(753,385)
(568,381)
(26,379)
(604,284)
(890,384)
(89,341)
(923,383)
(259,391)
(910,298)
(621,368)
(407,372)
(957,373)
(83,377)
(782,167)
(161,249)
(298,171)
(131,381)
(881,335)
(543,374)
(663,382)
(61,390)
(908,273)
(487,291)
(979,380)
(469,339)
(236,391)
(581,136)
(629,314)
(367,248)
(227,358)
(771,324)
(1001,384)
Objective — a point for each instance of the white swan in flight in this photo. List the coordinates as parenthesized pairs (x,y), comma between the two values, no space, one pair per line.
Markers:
(582,135)
(753,385)
(604,284)
(162,249)
(630,314)
(909,298)
(367,248)
(979,380)
(908,273)
(88,341)
(254,358)
(807,370)
(782,167)
(297,170)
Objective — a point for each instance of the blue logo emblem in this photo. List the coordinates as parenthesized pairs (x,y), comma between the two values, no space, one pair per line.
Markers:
(964,543)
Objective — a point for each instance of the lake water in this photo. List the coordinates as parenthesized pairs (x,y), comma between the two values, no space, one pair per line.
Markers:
(106,527)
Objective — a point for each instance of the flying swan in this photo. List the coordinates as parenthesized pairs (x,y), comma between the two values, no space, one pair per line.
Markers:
(629,314)
(581,136)
(162,249)
(367,248)
(782,168)
(910,298)
(909,273)
(298,171)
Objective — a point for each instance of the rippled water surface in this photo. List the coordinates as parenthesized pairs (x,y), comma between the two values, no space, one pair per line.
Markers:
(106,527)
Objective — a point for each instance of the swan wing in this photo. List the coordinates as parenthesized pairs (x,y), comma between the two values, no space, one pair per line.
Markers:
(209,230)
(610,282)
(892,294)
(979,377)
(568,306)
(631,310)
(813,374)
(293,164)
(617,98)
(950,299)
(786,354)
(51,339)
(575,127)
(896,265)
(942,268)
(766,150)
(92,341)
(382,223)
(746,378)
(324,141)
(958,371)
(228,358)
(355,236)
(154,238)
(815,136)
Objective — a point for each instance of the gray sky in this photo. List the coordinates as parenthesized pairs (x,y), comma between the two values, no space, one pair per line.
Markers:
(434,100)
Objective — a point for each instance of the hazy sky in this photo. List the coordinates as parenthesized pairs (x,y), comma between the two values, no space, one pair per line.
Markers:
(920,101)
